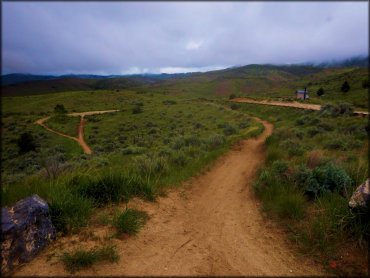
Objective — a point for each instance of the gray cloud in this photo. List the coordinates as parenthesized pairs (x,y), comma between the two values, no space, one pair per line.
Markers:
(134,37)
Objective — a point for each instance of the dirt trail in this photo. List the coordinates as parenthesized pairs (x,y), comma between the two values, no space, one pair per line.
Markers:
(210,226)
(80,138)
(287,104)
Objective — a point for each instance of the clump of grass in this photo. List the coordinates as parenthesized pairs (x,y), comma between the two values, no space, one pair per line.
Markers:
(69,211)
(81,258)
(292,147)
(129,221)
(150,165)
(178,158)
(291,204)
(105,188)
(278,194)
(215,140)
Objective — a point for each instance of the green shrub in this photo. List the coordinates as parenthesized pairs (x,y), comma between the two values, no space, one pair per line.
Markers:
(230,130)
(320,92)
(330,110)
(129,221)
(325,126)
(244,125)
(169,102)
(132,150)
(341,142)
(59,109)
(299,134)
(178,158)
(165,151)
(293,148)
(280,166)
(222,125)
(198,125)
(357,130)
(26,143)
(234,106)
(137,110)
(322,179)
(307,120)
(312,131)
(345,87)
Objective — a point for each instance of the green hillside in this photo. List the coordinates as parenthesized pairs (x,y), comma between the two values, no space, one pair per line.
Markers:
(268,81)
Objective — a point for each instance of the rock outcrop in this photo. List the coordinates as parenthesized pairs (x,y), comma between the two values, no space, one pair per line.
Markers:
(26,229)
(361,196)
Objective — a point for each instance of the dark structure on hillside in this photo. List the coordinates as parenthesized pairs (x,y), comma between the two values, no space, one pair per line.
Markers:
(302,94)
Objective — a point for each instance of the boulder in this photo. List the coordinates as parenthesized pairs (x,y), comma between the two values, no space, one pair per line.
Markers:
(26,229)
(361,196)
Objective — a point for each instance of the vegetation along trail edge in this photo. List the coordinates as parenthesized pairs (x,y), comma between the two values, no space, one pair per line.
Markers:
(80,138)
(210,226)
(293,104)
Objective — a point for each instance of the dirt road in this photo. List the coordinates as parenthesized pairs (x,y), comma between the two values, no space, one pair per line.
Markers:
(287,104)
(80,139)
(210,226)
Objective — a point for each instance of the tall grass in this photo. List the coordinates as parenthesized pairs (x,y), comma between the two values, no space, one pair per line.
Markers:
(81,258)
(129,221)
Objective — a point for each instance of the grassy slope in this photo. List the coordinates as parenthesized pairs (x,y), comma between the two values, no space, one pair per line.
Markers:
(65,124)
(272,82)
(68,84)
(119,137)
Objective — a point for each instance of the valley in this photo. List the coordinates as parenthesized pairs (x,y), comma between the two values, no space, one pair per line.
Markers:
(226,186)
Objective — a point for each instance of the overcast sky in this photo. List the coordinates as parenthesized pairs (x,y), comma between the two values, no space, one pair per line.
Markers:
(156,37)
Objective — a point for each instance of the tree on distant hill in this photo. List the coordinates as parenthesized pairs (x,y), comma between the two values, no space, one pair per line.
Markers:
(59,109)
(320,92)
(345,87)
(232,96)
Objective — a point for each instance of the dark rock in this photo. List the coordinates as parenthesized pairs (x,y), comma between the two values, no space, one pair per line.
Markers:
(26,229)
(361,196)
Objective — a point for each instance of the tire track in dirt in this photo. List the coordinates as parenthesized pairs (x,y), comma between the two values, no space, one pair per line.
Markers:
(80,139)
(212,225)
(287,104)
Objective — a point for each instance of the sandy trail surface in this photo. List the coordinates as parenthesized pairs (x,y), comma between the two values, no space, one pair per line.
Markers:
(80,138)
(287,104)
(212,225)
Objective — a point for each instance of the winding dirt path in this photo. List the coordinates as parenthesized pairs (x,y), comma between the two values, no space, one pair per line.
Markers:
(212,225)
(287,104)
(80,139)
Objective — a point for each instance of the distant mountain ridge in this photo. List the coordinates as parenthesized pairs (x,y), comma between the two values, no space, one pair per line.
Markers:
(244,80)
(15,78)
